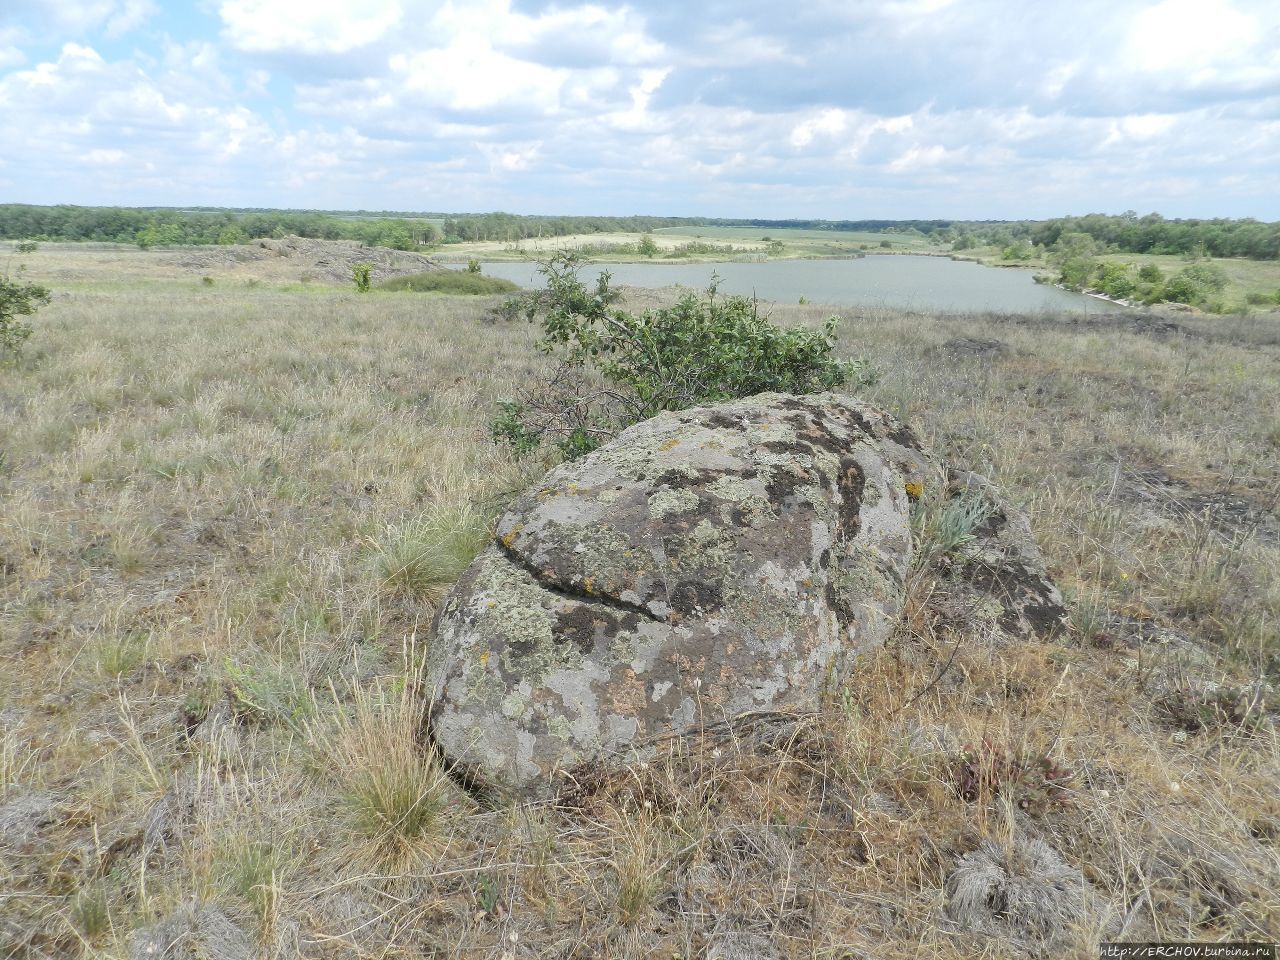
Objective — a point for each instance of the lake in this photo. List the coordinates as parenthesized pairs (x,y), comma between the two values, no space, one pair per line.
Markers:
(923,283)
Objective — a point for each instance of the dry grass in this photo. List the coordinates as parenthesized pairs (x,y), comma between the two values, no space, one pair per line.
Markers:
(225,512)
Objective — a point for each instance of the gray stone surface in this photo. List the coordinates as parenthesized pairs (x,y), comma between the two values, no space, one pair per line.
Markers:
(704,564)
(1003,563)
(191,932)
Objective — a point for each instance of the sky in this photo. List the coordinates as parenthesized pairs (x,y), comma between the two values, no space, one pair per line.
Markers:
(832,109)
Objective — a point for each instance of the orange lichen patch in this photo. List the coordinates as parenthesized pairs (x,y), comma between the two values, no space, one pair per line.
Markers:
(627,694)
(1137,610)
(509,538)
(669,444)
(914,488)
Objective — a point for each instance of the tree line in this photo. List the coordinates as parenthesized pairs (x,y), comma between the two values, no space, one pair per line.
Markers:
(162,226)
(1127,233)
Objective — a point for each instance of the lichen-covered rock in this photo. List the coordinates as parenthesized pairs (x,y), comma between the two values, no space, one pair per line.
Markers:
(1002,563)
(703,564)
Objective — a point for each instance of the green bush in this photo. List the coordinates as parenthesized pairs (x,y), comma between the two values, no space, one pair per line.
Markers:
(450,281)
(1018,250)
(1114,280)
(1196,284)
(618,368)
(361,274)
(1150,273)
(26,246)
(17,300)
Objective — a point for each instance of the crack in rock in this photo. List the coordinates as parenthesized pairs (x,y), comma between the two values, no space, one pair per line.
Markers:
(568,592)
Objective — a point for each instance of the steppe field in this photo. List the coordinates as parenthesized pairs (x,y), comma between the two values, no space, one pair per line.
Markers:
(229,507)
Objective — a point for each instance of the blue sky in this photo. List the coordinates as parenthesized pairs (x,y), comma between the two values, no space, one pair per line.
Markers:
(827,108)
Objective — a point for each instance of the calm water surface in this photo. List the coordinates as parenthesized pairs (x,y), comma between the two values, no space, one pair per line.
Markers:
(925,283)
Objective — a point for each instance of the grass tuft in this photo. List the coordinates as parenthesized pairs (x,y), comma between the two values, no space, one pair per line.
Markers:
(395,794)
(454,282)
(425,556)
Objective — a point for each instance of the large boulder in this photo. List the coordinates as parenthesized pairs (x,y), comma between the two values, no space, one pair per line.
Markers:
(703,564)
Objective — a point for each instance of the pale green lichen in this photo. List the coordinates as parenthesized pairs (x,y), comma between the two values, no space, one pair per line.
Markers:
(667,501)
(871,495)
(747,495)
(558,727)
(516,623)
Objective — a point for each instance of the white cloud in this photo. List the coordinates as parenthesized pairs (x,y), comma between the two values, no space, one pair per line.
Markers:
(307,26)
(918,158)
(81,17)
(11,54)
(99,156)
(470,75)
(828,122)
(637,116)
(509,158)
(128,15)
(1190,35)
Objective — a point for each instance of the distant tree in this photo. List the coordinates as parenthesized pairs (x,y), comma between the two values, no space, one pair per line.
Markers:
(648,246)
(1075,255)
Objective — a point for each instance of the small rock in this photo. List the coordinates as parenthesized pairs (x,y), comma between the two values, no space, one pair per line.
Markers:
(192,932)
(974,347)
(1002,562)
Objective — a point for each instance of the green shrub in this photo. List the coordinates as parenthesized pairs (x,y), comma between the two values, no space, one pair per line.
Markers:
(618,368)
(361,274)
(26,246)
(1196,284)
(473,265)
(450,281)
(17,299)
(1114,280)
(1150,273)
(1018,250)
